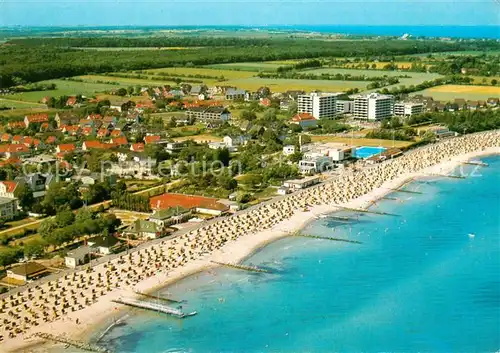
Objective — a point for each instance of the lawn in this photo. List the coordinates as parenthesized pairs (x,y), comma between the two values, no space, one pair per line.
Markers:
(450,92)
(200,138)
(23,112)
(17,104)
(361,141)
(64,88)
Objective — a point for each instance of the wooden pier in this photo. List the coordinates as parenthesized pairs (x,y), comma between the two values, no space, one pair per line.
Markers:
(74,343)
(340,219)
(407,191)
(147,305)
(479,163)
(327,238)
(390,198)
(449,176)
(242,267)
(168,300)
(361,210)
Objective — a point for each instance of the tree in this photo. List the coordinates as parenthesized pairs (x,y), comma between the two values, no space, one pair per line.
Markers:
(494,82)
(122,92)
(25,196)
(84,214)
(34,249)
(64,218)
(248,115)
(130,90)
(46,227)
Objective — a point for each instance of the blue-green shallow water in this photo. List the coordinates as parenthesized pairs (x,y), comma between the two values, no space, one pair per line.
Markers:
(418,283)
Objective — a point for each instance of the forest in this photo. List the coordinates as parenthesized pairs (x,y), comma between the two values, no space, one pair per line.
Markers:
(29,60)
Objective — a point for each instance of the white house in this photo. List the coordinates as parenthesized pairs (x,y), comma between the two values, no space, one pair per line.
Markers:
(288,150)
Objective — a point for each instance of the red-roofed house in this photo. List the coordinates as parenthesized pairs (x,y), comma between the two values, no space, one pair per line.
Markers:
(119,141)
(88,145)
(266,102)
(137,147)
(17,139)
(65,148)
(8,204)
(200,204)
(152,139)
(94,117)
(16,125)
(102,133)
(13,150)
(71,101)
(10,161)
(36,119)
(45,100)
(87,131)
(116,133)
(32,142)
(305,120)
(71,130)
(6,137)
(51,140)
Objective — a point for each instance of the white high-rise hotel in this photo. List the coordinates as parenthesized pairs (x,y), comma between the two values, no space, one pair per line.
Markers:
(319,105)
(373,106)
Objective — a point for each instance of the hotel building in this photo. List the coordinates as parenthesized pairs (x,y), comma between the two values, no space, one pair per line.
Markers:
(319,105)
(373,106)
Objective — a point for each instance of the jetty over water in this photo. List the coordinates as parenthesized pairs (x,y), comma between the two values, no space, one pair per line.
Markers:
(362,210)
(147,305)
(327,238)
(407,191)
(479,163)
(242,267)
(449,176)
(74,343)
(168,300)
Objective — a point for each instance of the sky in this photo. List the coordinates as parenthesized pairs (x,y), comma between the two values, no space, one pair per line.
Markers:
(247,12)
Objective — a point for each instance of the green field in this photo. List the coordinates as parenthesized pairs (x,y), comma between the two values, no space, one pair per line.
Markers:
(250,66)
(214,72)
(447,93)
(282,85)
(64,88)
(464,52)
(123,81)
(16,104)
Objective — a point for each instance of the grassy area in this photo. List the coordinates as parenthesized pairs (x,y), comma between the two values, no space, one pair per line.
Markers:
(206,71)
(484,80)
(17,104)
(135,48)
(200,138)
(456,53)
(282,85)
(124,81)
(251,66)
(361,141)
(64,88)
(23,112)
(450,92)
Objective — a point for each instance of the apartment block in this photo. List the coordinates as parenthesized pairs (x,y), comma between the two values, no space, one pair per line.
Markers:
(408,108)
(373,106)
(319,105)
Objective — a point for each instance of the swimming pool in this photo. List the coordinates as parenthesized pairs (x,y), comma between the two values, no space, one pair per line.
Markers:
(367,151)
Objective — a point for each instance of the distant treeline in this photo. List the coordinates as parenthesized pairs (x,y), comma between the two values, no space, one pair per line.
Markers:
(31,60)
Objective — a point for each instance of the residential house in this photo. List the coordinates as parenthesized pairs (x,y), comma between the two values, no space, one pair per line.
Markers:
(16,124)
(142,229)
(71,130)
(71,101)
(235,141)
(105,244)
(209,115)
(288,150)
(93,144)
(6,137)
(51,140)
(235,94)
(152,139)
(88,131)
(102,133)
(298,184)
(137,147)
(304,120)
(493,101)
(66,148)
(39,183)
(8,201)
(35,119)
(66,118)
(119,141)
(79,256)
(13,151)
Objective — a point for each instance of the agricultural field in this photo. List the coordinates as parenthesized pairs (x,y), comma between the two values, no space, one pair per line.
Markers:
(282,85)
(23,111)
(16,104)
(450,92)
(361,141)
(64,88)
(457,53)
(252,66)
(122,81)
(206,71)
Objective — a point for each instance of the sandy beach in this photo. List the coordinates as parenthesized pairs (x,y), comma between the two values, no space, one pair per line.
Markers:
(229,240)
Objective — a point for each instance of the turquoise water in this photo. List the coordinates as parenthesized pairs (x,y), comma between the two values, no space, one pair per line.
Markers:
(418,283)
(367,151)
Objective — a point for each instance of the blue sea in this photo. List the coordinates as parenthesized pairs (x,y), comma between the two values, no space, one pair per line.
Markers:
(426,280)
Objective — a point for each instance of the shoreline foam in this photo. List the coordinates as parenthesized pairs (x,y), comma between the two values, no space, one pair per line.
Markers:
(98,315)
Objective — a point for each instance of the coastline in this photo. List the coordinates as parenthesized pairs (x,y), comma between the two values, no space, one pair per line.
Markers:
(95,318)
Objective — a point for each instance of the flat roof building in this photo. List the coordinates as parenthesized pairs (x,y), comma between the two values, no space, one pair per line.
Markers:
(408,108)
(319,105)
(373,106)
